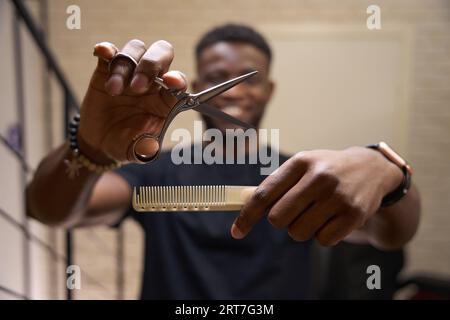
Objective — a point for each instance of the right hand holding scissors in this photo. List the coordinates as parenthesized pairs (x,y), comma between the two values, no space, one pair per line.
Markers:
(123,101)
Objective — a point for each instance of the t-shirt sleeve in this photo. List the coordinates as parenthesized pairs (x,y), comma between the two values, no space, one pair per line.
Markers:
(132,174)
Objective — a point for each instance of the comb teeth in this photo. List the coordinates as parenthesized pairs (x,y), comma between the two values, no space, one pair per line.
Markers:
(189,198)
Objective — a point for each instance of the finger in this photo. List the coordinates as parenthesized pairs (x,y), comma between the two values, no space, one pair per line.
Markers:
(174,80)
(309,189)
(105,51)
(311,220)
(122,68)
(292,203)
(267,193)
(155,62)
(339,227)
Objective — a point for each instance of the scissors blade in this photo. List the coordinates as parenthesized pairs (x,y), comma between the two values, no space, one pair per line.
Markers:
(210,93)
(216,113)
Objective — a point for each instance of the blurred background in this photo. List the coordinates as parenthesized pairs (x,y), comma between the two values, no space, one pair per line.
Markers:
(337,84)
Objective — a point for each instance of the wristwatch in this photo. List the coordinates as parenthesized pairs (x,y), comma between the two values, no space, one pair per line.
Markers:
(395,158)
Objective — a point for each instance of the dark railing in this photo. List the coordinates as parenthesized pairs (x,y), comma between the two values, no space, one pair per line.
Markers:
(70,106)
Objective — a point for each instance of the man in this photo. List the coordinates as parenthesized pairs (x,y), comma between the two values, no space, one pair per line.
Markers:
(323,194)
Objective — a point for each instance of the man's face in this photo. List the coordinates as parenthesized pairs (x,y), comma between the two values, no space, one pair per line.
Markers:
(246,101)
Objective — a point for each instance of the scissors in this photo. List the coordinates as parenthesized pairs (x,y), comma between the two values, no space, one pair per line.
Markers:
(185,101)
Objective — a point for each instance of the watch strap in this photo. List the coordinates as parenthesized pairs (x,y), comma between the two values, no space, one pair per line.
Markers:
(397,194)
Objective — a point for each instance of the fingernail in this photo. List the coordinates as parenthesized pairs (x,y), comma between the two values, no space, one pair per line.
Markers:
(174,79)
(140,83)
(114,85)
(236,232)
(183,76)
(178,76)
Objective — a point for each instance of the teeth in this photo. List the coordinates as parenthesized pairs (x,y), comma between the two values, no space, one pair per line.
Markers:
(191,198)
(173,198)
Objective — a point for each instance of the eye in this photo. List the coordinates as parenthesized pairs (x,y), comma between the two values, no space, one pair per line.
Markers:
(255,80)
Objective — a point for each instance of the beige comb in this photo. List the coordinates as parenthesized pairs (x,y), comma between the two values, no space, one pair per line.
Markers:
(191,198)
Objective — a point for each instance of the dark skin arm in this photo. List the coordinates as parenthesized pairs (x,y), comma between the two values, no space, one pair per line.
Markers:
(89,199)
(334,196)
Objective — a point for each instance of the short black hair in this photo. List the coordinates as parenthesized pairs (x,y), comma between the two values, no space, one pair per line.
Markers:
(233,33)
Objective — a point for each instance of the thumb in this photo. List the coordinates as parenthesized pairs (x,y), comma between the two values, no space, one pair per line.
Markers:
(174,80)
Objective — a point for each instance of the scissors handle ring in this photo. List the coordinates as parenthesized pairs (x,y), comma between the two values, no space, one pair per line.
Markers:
(134,155)
(122,55)
(138,157)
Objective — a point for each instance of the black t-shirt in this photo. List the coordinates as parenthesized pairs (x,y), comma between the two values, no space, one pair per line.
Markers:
(191,255)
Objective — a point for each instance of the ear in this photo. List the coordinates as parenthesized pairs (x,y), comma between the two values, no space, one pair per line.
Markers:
(270,89)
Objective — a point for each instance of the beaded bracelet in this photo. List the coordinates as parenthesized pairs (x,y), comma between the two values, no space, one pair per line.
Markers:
(79,160)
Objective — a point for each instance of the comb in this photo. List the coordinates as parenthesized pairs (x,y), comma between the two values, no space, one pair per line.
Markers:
(190,198)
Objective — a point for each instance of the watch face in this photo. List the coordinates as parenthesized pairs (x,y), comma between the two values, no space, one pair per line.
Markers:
(393,156)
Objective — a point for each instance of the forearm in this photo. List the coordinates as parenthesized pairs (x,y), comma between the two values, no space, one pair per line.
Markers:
(392,227)
(52,196)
